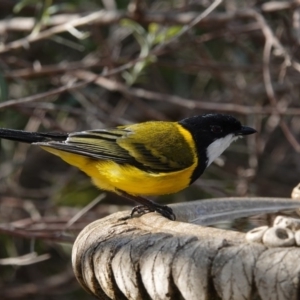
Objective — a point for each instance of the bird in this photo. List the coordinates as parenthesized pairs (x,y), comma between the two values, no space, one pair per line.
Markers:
(145,159)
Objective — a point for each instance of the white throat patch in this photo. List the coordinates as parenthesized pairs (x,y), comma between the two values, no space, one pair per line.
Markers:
(216,148)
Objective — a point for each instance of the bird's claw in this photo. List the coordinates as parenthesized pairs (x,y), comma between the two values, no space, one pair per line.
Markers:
(164,210)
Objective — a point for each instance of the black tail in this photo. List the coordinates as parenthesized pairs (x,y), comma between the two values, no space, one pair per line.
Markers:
(31,137)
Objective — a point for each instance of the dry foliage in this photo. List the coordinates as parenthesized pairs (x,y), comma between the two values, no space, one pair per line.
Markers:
(81,64)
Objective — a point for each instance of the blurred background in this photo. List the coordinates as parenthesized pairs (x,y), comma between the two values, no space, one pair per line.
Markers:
(87,64)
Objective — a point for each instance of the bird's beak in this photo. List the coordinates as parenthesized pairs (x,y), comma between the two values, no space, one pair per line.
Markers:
(245,131)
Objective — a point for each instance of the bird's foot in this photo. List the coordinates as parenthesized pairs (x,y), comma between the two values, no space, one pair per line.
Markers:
(148,206)
(164,210)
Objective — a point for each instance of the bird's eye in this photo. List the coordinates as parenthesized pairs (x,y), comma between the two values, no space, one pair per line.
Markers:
(216,129)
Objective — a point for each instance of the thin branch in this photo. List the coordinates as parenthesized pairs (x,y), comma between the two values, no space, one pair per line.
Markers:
(42,96)
(87,20)
(111,85)
(181,18)
(39,286)
(84,210)
(105,16)
(179,101)
(188,27)
(268,33)
(158,50)
(51,70)
(41,234)
(273,6)
(272,41)
(24,260)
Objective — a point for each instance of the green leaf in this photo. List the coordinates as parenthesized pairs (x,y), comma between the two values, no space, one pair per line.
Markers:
(166,34)
(133,26)
(43,15)
(153,28)
(19,6)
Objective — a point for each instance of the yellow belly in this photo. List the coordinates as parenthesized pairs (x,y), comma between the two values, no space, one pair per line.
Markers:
(110,176)
(138,182)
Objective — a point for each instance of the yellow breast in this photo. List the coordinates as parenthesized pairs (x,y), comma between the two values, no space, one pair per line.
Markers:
(110,176)
(138,182)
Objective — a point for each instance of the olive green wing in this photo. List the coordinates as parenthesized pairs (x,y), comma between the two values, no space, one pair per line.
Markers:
(159,146)
(96,144)
(150,146)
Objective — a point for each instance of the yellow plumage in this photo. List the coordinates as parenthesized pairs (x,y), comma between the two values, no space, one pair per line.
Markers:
(151,158)
(144,145)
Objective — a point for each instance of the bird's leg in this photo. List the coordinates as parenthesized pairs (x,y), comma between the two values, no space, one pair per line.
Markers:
(148,206)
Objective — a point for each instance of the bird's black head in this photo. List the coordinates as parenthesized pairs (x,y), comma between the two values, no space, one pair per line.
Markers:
(212,134)
(215,126)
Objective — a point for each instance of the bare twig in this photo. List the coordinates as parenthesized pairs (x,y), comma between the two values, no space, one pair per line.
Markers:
(176,100)
(9,230)
(105,16)
(182,18)
(272,41)
(189,26)
(87,20)
(272,6)
(111,85)
(269,35)
(41,96)
(24,260)
(159,48)
(85,210)
(51,70)
(40,286)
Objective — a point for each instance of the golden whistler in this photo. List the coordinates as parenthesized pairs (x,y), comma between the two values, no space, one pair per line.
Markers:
(150,158)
